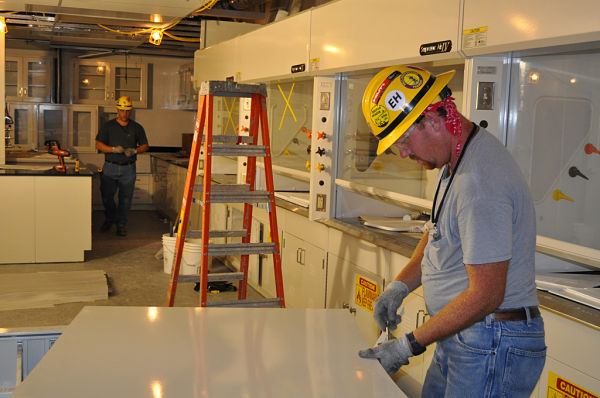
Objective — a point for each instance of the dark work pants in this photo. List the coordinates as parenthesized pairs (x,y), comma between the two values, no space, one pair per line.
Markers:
(115,178)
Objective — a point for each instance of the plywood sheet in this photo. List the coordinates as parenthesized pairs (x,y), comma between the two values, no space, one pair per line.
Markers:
(46,289)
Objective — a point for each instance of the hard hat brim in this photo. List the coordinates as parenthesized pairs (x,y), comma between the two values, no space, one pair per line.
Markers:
(125,108)
(441,81)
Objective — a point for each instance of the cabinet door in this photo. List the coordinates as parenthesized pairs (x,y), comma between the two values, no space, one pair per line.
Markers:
(37,79)
(52,124)
(304,273)
(12,67)
(92,83)
(17,242)
(83,127)
(129,81)
(343,292)
(24,126)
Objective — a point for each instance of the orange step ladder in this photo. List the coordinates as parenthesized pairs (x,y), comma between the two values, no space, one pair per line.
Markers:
(223,145)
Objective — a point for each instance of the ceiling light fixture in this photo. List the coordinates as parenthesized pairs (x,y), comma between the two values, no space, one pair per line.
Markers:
(3,28)
(155,37)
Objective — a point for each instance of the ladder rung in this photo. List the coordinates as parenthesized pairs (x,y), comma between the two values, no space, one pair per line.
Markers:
(223,188)
(218,234)
(231,139)
(225,276)
(268,302)
(224,249)
(212,277)
(220,195)
(238,150)
(188,278)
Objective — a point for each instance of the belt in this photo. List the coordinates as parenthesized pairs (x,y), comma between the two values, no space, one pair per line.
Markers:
(514,315)
(121,163)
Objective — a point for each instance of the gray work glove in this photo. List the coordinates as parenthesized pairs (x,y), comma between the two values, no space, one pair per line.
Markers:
(392,354)
(387,304)
(117,149)
(130,152)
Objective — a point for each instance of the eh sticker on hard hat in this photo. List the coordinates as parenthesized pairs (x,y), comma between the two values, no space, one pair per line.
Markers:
(395,100)
(380,116)
(412,80)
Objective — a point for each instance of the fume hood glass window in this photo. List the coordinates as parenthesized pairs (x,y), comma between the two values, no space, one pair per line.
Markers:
(358,161)
(553,134)
(226,117)
(289,107)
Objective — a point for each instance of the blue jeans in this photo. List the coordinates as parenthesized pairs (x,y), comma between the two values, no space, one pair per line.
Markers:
(488,359)
(122,178)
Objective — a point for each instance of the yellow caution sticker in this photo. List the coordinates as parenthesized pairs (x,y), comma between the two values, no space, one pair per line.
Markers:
(559,387)
(380,115)
(366,293)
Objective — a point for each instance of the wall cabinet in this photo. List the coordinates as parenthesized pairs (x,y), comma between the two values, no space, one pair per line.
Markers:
(28,79)
(102,83)
(74,126)
(187,97)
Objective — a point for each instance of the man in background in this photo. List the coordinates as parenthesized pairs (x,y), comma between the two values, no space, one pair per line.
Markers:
(120,140)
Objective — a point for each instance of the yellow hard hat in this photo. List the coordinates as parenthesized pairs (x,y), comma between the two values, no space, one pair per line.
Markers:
(396,97)
(124,103)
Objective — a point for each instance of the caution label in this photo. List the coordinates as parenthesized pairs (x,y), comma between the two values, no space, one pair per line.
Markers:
(559,387)
(366,293)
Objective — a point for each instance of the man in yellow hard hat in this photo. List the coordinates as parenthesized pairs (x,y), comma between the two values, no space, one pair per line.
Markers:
(121,139)
(476,262)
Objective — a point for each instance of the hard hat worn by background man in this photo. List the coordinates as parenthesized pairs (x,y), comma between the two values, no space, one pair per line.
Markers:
(124,103)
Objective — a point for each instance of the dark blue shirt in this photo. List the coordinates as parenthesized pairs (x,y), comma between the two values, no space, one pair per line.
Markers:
(130,136)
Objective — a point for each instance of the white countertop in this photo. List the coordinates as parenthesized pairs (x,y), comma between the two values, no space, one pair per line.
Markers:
(208,352)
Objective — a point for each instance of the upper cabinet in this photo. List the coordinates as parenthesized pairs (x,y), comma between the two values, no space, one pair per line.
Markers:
(510,25)
(277,50)
(28,79)
(218,62)
(354,34)
(102,83)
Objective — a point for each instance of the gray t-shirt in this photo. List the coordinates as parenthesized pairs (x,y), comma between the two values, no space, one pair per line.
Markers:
(488,216)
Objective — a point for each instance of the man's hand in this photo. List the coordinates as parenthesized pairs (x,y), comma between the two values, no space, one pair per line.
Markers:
(130,152)
(392,354)
(387,304)
(117,149)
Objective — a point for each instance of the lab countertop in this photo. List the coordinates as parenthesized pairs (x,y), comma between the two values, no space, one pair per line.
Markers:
(208,352)
(42,170)
(173,158)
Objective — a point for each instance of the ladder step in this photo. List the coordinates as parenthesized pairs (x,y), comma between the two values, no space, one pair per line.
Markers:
(231,89)
(222,193)
(224,249)
(239,150)
(212,277)
(225,276)
(231,139)
(218,234)
(268,302)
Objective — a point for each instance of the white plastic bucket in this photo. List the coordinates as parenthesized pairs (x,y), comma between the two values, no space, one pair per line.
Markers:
(190,259)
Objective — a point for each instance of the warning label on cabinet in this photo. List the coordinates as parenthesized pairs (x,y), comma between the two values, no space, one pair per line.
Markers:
(366,293)
(559,387)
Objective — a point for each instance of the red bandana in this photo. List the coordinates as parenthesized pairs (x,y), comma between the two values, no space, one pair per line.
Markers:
(453,122)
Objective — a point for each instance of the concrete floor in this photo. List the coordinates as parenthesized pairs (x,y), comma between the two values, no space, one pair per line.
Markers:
(136,275)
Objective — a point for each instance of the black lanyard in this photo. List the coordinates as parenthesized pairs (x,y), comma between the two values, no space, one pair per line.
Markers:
(435,218)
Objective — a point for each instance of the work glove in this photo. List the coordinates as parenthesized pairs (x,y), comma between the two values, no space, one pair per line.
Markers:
(130,152)
(386,306)
(391,355)
(117,149)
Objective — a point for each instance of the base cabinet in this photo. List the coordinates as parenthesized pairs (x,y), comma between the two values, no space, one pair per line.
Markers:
(50,218)
(304,273)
